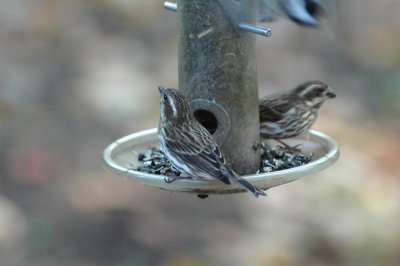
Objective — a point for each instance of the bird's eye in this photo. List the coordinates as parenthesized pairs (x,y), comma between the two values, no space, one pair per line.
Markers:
(321,90)
(165,97)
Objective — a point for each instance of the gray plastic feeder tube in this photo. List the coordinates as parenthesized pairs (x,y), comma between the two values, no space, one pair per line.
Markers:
(218,74)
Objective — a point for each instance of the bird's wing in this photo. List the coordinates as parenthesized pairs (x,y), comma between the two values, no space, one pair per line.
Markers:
(273,108)
(194,145)
(292,9)
(303,12)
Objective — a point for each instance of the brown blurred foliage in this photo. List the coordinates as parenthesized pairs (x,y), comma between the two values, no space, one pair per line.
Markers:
(76,75)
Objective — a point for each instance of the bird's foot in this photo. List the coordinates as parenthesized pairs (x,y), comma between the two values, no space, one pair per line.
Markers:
(293,149)
(261,145)
(257,145)
(169,178)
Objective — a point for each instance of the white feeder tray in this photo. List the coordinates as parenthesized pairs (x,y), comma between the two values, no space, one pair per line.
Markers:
(121,157)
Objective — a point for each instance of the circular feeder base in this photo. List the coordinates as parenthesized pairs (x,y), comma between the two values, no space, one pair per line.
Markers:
(121,157)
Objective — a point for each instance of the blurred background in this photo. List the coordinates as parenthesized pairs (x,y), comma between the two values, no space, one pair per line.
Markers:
(76,75)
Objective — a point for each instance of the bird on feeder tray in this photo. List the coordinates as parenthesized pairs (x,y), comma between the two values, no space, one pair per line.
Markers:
(303,12)
(190,147)
(291,113)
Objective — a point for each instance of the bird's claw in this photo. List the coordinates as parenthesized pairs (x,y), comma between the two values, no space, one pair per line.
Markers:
(260,145)
(257,145)
(170,178)
(293,149)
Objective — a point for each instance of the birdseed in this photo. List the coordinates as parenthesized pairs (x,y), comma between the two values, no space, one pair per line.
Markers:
(276,159)
(280,158)
(155,162)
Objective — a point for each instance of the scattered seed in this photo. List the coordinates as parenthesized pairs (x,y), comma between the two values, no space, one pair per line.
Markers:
(276,159)
(280,159)
(155,162)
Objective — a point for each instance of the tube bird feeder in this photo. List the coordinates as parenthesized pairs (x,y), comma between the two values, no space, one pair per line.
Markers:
(218,75)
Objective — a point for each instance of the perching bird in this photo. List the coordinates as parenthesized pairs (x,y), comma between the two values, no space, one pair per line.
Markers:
(190,147)
(288,114)
(303,12)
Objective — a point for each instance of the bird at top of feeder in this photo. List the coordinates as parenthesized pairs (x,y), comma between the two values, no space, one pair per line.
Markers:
(293,112)
(302,12)
(190,147)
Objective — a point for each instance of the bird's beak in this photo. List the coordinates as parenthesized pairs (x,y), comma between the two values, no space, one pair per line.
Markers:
(161,89)
(330,93)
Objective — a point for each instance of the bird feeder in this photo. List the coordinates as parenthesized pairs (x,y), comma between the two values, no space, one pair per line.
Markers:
(218,75)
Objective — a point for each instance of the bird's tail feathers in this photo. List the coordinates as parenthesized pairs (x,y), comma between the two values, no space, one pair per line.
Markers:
(246,185)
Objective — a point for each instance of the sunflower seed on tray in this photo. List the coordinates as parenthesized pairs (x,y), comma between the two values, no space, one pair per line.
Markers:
(276,159)
(155,162)
(281,159)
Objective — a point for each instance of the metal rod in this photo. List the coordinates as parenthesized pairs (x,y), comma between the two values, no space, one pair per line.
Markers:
(255,29)
(218,75)
(170,6)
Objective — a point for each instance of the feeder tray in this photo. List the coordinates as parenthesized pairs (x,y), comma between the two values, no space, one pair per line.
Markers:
(121,157)
(218,75)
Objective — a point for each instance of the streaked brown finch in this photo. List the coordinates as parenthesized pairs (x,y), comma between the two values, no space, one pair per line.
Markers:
(291,113)
(190,147)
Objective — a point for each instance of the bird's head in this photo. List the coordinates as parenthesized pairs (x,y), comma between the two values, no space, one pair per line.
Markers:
(174,106)
(314,93)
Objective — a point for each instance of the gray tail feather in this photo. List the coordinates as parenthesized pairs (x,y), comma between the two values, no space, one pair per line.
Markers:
(246,185)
